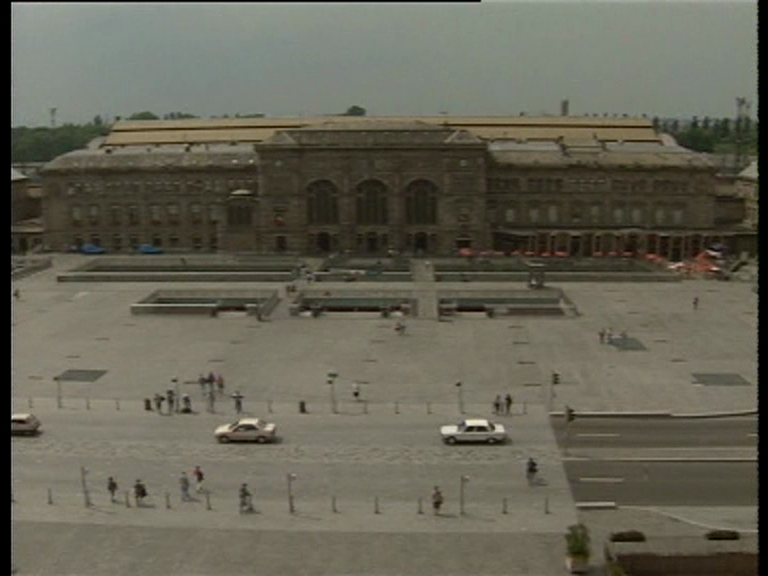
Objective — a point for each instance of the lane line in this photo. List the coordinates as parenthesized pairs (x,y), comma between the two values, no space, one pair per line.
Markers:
(752,435)
(603,480)
(598,435)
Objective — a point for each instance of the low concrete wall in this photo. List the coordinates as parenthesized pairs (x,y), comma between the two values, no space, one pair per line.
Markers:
(174,277)
(149,308)
(31,268)
(550,277)
(716,564)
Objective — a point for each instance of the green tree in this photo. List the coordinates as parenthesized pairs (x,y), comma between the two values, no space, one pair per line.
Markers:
(355,111)
(143,116)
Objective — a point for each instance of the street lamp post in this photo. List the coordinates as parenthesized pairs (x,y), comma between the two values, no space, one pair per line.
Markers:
(83,472)
(464,480)
(58,391)
(290,477)
(460,397)
(331,381)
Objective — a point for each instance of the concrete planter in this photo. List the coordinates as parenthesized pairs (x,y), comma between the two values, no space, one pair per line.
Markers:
(577,564)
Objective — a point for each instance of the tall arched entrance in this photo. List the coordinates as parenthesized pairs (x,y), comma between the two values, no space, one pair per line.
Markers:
(323,242)
(420,242)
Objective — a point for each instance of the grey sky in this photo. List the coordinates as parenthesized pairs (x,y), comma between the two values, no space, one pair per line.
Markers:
(659,58)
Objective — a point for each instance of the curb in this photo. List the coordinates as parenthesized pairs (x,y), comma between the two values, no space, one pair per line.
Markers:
(657,414)
(689,521)
(596,505)
(712,459)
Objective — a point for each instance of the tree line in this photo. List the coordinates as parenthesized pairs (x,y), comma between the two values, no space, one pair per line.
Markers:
(42,144)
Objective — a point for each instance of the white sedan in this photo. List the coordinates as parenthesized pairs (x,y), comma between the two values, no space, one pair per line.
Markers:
(475,430)
(24,424)
(247,430)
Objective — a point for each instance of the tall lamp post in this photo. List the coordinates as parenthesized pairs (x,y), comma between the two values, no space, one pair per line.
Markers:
(290,477)
(464,480)
(461,398)
(58,391)
(331,381)
(86,495)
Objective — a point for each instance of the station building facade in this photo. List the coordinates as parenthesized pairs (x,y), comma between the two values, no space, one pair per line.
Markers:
(554,185)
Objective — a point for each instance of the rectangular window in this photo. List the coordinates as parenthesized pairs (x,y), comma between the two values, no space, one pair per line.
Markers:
(174,241)
(659,215)
(133,215)
(677,216)
(76,215)
(197,243)
(173,213)
(195,211)
(95,240)
(117,215)
(618,214)
(511,215)
(533,215)
(117,243)
(595,213)
(213,214)
(552,214)
(637,215)
(93,214)
(154,214)
(213,243)
(133,241)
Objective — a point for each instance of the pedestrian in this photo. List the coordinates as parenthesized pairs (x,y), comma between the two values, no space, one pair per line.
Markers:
(220,383)
(437,500)
(159,403)
(497,405)
(184,486)
(112,488)
(199,478)
(211,401)
(238,398)
(508,403)
(356,391)
(609,335)
(202,381)
(140,492)
(211,379)
(246,500)
(186,404)
(170,396)
(601,334)
(17,294)
(696,303)
(531,469)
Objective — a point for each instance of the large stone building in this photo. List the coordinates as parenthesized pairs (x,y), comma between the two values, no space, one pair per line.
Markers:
(535,185)
(26,209)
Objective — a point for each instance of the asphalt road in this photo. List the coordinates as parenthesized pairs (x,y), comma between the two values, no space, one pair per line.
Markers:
(656,432)
(664,483)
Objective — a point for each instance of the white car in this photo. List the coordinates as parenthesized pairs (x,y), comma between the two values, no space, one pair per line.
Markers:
(24,424)
(474,430)
(247,430)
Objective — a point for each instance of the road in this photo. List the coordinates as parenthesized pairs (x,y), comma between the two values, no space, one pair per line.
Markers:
(656,432)
(664,483)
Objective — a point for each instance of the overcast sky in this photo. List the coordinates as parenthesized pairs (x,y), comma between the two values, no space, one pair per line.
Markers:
(661,58)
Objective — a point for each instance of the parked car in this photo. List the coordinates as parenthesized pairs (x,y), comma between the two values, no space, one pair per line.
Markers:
(24,424)
(92,249)
(474,430)
(149,249)
(247,430)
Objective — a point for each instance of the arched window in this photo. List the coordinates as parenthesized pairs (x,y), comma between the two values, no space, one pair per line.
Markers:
(421,203)
(322,203)
(372,202)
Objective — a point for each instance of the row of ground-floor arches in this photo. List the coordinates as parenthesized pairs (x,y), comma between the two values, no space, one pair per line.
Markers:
(672,246)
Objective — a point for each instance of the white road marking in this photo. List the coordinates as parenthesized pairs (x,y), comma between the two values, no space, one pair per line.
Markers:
(79,295)
(597,435)
(752,435)
(605,480)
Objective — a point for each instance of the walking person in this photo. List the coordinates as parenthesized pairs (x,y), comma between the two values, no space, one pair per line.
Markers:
(508,403)
(246,500)
(437,500)
(696,303)
(202,381)
(170,396)
(186,404)
(497,405)
(238,398)
(531,469)
(199,478)
(111,488)
(220,384)
(17,294)
(139,492)
(356,391)
(159,403)
(601,335)
(211,401)
(184,486)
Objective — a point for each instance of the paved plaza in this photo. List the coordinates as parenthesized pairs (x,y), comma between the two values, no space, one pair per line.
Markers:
(383,454)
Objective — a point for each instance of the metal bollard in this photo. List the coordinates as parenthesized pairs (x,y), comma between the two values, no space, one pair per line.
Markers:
(50,496)
(376,505)
(333,505)
(421,508)
(31,404)
(504,506)
(429,408)
(207,500)
(525,408)
(269,406)
(87,403)
(127,500)
(397,407)
(167,501)
(365,406)
(546,505)
(117,404)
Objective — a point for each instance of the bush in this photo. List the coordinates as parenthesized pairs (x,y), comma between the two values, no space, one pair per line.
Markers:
(628,536)
(578,541)
(722,535)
